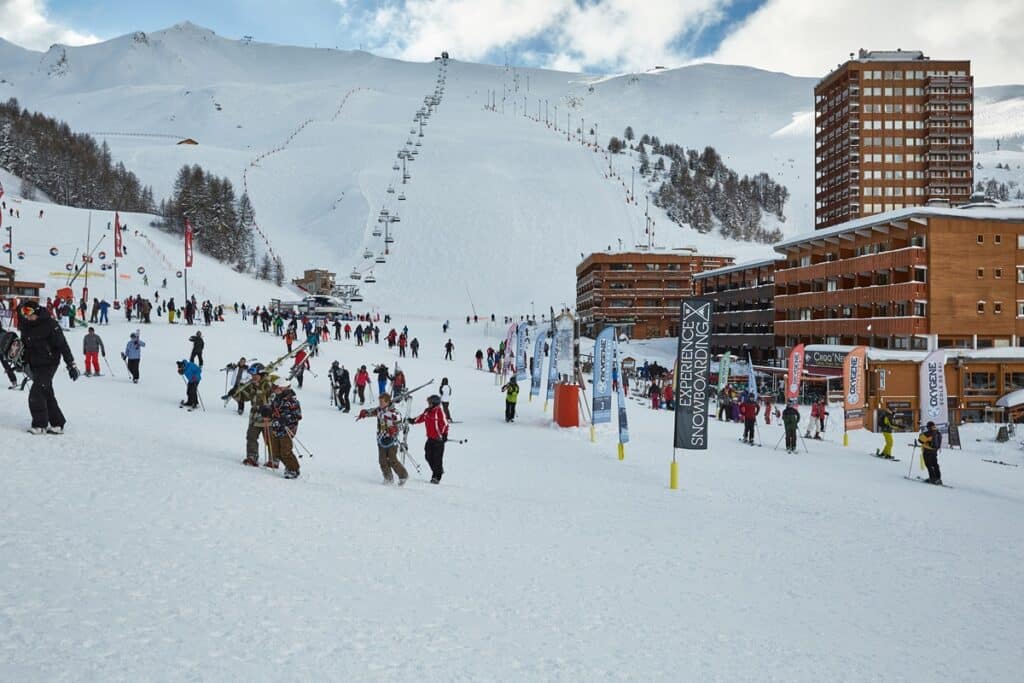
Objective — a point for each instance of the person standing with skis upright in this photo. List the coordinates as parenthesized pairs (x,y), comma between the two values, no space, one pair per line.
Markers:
(433,418)
(388,421)
(132,354)
(791,423)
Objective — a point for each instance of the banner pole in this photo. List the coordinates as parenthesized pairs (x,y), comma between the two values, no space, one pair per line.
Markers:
(673,472)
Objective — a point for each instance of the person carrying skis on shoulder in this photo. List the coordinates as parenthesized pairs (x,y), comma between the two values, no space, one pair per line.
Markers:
(749,410)
(791,422)
(193,374)
(511,389)
(299,367)
(284,413)
(43,347)
(931,441)
(92,347)
(258,392)
(433,418)
(388,421)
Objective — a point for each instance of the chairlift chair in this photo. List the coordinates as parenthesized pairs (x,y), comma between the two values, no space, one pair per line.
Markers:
(396,219)
(396,167)
(391,189)
(367,254)
(377,232)
(380,259)
(370,279)
(401,196)
(389,240)
(355,298)
(356,275)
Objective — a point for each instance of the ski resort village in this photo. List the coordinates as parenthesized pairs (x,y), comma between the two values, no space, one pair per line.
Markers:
(378,346)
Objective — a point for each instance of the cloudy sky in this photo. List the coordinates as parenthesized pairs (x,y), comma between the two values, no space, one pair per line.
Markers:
(800,37)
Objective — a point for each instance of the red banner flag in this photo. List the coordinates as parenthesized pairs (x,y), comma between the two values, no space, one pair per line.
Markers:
(853,379)
(188,244)
(796,369)
(117,235)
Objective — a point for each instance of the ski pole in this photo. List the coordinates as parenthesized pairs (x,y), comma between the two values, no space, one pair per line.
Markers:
(109,369)
(457,441)
(296,440)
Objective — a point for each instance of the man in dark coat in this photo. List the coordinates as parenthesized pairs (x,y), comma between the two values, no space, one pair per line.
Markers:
(45,345)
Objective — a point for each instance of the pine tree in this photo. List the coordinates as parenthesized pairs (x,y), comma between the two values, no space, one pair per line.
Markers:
(278,271)
(263,272)
(628,134)
(614,145)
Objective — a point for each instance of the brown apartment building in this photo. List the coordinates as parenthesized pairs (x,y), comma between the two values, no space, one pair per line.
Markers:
(638,292)
(918,278)
(893,129)
(743,318)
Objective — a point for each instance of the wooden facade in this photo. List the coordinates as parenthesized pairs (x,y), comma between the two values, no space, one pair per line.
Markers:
(11,288)
(316,281)
(637,292)
(974,383)
(913,279)
(744,315)
(892,130)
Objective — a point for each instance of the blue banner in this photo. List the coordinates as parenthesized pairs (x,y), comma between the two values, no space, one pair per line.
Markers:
(538,364)
(620,397)
(552,369)
(602,400)
(521,339)
(751,379)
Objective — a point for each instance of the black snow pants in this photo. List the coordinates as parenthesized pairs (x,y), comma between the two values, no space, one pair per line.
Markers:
(434,453)
(41,401)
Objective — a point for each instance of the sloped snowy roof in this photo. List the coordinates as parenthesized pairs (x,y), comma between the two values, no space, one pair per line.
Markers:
(1014,398)
(757,263)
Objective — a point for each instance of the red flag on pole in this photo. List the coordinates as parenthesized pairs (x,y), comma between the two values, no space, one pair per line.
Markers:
(796,370)
(117,235)
(188,244)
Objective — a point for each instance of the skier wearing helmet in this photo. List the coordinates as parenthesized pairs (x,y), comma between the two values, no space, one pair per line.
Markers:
(258,391)
(433,418)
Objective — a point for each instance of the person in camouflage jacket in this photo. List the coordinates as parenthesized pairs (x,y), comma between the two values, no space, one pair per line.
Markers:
(284,413)
(257,392)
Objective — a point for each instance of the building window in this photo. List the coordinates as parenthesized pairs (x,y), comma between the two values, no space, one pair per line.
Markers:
(920,309)
(1020,274)
(998,273)
(981,272)
(981,307)
(980,383)
(1020,309)
(981,239)
(997,239)
(1013,381)
(1020,241)
(997,307)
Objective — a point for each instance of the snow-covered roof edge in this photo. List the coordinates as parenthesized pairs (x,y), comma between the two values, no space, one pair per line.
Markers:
(975,213)
(757,263)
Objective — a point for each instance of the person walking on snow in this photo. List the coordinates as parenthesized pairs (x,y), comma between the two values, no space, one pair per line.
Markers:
(414,346)
(132,354)
(388,421)
(92,347)
(284,413)
(257,391)
(299,367)
(198,344)
(448,348)
(818,416)
(511,390)
(749,410)
(433,418)
(44,346)
(791,422)
(446,397)
(362,379)
(479,359)
(382,378)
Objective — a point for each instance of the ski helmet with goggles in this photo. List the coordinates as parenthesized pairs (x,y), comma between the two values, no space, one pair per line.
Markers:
(256,369)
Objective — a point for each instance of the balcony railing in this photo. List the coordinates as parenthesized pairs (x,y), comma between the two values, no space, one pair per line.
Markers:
(844,327)
(906,291)
(898,258)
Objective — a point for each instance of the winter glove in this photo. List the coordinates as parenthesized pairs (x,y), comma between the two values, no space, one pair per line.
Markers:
(362,414)
(444,438)
(104,354)
(411,420)
(124,357)
(266,411)
(73,372)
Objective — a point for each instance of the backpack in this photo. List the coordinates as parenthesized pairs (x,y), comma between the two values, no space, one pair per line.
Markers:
(12,350)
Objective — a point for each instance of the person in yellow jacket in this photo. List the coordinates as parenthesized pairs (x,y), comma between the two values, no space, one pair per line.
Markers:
(931,441)
(511,396)
(886,424)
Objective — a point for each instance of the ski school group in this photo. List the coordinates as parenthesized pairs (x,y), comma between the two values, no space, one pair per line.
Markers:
(275,410)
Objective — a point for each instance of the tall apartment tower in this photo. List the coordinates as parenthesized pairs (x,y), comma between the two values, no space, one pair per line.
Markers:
(893,129)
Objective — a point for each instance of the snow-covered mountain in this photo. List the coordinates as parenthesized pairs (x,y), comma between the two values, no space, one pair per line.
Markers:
(499,205)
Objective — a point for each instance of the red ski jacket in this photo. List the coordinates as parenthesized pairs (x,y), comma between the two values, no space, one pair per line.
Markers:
(748,410)
(436,423)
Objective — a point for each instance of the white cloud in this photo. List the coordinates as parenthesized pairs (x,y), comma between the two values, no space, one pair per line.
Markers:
(810,39)
(613,34)
(24,23)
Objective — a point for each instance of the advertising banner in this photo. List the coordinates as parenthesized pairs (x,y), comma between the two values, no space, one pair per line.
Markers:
(693,360)
(603,359)
(932,394)
(796,370)
(853,380)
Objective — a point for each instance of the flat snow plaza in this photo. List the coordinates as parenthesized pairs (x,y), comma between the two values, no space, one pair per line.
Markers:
(451,200)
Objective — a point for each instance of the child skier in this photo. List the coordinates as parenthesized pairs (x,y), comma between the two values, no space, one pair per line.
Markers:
(388,421)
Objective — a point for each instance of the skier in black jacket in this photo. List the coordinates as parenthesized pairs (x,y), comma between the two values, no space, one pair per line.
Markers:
(197,348)
(45,345)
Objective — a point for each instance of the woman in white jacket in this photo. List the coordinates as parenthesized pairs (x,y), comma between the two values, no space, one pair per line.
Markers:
(446,397)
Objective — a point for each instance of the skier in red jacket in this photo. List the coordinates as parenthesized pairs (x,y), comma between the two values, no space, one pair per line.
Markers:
(748,411)
(434,420)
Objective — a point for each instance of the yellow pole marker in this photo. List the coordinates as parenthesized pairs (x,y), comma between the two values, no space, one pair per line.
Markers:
(593,437)
(673,475)
(622,451)
(846,438)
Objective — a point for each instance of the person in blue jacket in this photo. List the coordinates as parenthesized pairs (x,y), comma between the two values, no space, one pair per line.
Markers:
(192,374)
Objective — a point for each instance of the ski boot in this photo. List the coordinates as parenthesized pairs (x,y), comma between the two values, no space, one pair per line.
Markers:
(291,474)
